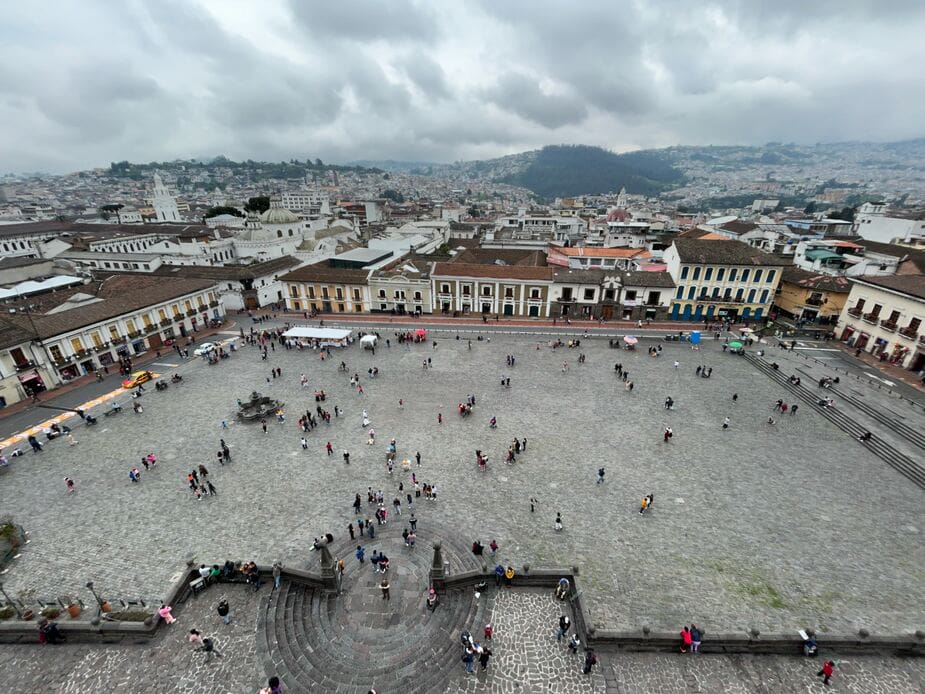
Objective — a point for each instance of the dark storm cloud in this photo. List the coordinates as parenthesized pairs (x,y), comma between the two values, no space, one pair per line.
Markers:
(82,84)
(522,95)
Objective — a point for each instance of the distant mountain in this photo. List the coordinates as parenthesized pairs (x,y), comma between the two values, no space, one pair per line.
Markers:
(393,165)
(563,170)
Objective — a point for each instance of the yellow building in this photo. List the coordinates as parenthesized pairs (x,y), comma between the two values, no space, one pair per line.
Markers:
(325,289)
(813,297)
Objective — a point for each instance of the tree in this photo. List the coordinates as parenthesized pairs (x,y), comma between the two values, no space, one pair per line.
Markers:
(810,208)
(222,209)
(846,214)
(261,203)
(393,195)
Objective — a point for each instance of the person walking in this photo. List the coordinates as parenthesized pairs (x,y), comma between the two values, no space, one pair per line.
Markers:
(644,505)
(726,423)
(165,613)
(384,587)
(558,523)
(590,661)
(360,554)
(346,457)
(351,531)
(793,410)
(828,669)
(223,610)
(469,659)
(212,490)
(600,475)
(417,457)
(484,656)
(208,647)
(735,397)
(564,625)
(277,574)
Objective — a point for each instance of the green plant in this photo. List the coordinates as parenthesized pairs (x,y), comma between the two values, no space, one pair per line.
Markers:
(51,612)
(7,612)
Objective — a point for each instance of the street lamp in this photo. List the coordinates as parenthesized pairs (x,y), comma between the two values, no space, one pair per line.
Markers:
(99,602)
(10,601)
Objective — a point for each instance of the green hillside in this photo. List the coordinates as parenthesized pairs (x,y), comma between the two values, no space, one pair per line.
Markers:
(564,170)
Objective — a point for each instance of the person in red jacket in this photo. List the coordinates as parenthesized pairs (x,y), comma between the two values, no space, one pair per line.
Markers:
(828,667)
(685,639)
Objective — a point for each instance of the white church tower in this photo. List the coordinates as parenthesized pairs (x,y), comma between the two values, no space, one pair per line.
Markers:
(165,205)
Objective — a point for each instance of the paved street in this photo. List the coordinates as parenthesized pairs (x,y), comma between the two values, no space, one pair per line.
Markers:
(777,527)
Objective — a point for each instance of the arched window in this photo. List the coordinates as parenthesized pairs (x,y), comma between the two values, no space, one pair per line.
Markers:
(290,232)
(279,233)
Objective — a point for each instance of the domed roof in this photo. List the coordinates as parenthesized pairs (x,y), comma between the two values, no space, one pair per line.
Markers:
(277,214)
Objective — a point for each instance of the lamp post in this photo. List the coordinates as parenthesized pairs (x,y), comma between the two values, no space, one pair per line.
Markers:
(99,603)
(10,601)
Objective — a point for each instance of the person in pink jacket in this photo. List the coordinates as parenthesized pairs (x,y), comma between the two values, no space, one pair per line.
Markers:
(165,613)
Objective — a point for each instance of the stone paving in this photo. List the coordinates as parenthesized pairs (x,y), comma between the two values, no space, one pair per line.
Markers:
(526,660)
(777,527)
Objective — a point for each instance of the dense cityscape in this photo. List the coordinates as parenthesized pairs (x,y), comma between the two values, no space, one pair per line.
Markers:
(265,415)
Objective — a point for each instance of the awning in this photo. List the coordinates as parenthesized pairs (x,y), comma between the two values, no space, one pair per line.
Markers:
(318,333)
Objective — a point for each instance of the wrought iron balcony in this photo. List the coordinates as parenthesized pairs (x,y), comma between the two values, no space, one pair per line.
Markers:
(25,365)
(909,331)
(814,301)
(889,325)
(856,312)
(871,318)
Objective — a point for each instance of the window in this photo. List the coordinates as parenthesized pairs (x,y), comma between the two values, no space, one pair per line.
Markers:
(876,310)
(715,292)
(76,344)
(757,275)
(382,293)
(162,314)
(534,293)
(679,294)
(417,296)
(727,294)
(466,290)
(445,288)
(739,293)
(340,307)
(356,294)
(324,293)
(97,339)
(629,295)
(654,299)
(297,305)
(720,274)
(770,277)
(684,272)
(860,304)
(733,273)
(339,292)
(400,294)
(566,293)
(751,295)
(745,273)
(146,320)
(383,307)
(608,294)
(691,291)
(509,292)
(56,353)
(486,291)
(113,333)
(589,294)
(697,273)
(189,306)
(279,233)
(764,296)
(707,274)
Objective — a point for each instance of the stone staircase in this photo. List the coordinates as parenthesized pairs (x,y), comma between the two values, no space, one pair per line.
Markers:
(893,457)
(320,641)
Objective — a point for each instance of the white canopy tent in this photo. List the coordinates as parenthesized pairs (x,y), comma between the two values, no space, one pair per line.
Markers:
(333,337)
(368,341)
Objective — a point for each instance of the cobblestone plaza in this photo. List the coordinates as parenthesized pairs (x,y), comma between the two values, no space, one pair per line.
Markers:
(771,526)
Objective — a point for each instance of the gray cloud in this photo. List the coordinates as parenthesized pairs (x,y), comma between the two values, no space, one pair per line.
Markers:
(409,79)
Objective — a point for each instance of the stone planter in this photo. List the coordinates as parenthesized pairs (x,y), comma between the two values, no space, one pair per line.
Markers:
(74,610)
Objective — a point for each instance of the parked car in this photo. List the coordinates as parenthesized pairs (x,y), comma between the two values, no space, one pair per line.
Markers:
(137,378)
(204,348)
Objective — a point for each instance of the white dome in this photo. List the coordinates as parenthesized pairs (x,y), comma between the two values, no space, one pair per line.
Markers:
(277,214)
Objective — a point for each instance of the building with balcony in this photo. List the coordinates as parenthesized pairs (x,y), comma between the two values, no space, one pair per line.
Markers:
(402,287)
(508,290)
(325,289)
(811,297)
(884,316)
(590,258)
(576,293)
(76,331)
(641,295)
(722,280)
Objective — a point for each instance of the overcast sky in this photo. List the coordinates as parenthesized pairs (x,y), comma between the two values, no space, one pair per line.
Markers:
(86,82)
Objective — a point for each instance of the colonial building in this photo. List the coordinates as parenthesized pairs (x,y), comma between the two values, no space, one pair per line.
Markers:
(78,330)
(884,315)
(240,286)
(589,258)
(575,293)
(812,297)
(641,295)
(491,289)
(401,287)
(325,289)
(722,280)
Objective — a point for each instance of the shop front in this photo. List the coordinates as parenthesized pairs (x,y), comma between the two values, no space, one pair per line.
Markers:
(32,383)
